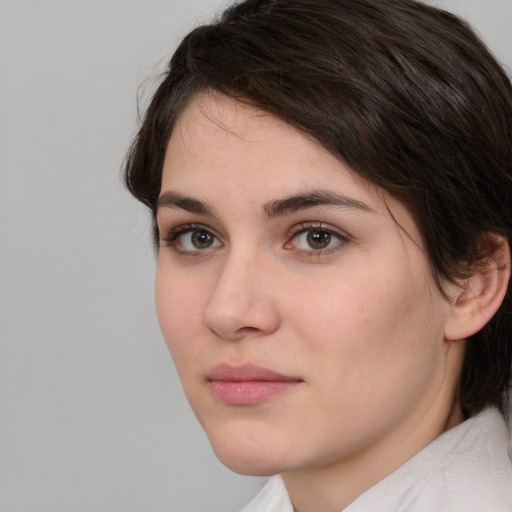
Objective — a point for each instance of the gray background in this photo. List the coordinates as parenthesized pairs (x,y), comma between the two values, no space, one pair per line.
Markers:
(92,416)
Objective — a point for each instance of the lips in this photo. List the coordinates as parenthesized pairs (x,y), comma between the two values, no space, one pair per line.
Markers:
(247,384)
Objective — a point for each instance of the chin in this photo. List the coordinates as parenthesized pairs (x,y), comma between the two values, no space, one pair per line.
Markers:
(248,464)
(249,451)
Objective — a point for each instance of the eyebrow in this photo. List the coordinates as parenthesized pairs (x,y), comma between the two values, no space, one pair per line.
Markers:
(272,209)
(177,201)
(312,199)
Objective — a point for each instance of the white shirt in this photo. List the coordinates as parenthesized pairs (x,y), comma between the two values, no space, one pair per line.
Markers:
(467,469)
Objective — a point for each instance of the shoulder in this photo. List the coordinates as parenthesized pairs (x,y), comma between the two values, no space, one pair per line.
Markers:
(467,468)
(477,475)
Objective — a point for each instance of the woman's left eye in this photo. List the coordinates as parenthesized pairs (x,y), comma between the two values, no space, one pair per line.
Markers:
(315,239)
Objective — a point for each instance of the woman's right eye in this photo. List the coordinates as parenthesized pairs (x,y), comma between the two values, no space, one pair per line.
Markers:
(191,239)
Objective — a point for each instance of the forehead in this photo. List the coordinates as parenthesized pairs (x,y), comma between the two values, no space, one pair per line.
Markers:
(212,121)
(216,136)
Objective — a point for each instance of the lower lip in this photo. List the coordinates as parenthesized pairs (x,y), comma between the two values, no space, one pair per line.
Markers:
(248,392)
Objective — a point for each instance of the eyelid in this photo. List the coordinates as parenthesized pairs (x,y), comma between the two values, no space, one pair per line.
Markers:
(321,226)
(304,227)
(171,236)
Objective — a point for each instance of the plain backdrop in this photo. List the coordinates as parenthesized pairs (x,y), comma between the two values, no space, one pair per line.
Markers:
(92,417)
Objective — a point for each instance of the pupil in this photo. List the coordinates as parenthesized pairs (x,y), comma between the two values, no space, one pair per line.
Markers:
(319,239)
(202,239)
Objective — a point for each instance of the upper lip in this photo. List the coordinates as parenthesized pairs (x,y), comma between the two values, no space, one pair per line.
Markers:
(246,372)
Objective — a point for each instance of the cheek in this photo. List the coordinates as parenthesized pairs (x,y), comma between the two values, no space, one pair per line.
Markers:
(370,351)
(179,311)
(370,323)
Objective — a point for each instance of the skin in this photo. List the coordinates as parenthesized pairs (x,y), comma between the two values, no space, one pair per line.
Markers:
(358,323)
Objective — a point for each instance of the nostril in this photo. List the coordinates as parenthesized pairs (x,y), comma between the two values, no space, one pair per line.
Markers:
(246,323)
(238,306)
(248,331)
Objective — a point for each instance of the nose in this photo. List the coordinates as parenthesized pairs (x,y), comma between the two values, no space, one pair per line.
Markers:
(242,303)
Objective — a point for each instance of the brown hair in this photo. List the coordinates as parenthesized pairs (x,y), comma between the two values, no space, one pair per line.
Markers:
(404,93)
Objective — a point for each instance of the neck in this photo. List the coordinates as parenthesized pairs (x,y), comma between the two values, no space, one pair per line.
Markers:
(334,486)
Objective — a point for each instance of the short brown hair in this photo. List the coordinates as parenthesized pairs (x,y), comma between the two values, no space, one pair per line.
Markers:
(404,93)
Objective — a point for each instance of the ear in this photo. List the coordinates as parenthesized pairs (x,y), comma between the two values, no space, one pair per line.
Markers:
(476,299)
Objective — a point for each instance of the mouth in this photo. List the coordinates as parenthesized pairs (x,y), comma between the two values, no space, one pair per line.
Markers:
(247,384)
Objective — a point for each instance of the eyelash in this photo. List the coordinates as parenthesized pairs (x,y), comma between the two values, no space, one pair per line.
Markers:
(305,227)
(172,239)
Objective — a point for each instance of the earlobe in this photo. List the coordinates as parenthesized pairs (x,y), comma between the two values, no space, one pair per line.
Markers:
(477,298)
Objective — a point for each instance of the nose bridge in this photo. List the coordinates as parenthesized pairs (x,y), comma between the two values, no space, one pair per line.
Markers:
(241,302)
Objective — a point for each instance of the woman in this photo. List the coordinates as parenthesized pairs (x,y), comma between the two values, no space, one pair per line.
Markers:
(331,186)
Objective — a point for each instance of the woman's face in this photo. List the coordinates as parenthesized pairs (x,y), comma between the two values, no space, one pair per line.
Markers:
(295,298)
